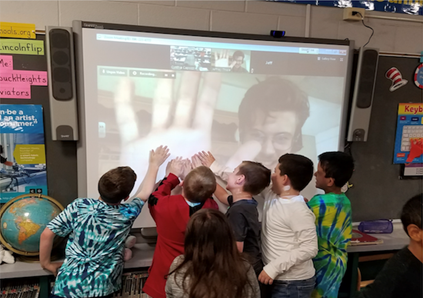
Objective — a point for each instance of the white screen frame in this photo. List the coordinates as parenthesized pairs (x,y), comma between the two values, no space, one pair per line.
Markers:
(79,27)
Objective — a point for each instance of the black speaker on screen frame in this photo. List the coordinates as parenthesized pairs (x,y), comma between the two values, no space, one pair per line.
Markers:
(361,107)
(62,89)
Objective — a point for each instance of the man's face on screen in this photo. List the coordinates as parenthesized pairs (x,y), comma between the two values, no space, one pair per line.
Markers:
(238,62)
(275,132)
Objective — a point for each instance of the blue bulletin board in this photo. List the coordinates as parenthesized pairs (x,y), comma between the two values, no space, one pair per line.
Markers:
(409,135)
(387,6)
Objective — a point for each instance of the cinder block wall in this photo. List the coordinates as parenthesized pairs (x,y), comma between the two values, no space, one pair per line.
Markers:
(244,16)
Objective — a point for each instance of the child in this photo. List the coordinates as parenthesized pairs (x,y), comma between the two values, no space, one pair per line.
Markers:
(402,274)
(211,265)
(97,232)
(171,214)
(333,221)
(248,179)
(289,239)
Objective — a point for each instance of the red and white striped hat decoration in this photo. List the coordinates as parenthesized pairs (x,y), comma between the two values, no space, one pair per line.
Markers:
(395,76)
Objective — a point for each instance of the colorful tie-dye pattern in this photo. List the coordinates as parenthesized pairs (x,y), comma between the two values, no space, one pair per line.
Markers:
(334,229)
(94,252)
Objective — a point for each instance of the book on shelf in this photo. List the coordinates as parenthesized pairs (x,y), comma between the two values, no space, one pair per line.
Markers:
(19,289)
(132,283)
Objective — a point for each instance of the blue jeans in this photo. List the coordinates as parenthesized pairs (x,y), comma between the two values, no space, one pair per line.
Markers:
(293,288)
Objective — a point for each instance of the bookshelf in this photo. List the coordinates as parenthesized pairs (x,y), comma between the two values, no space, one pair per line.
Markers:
(132,283)
(21,274)
(15,289)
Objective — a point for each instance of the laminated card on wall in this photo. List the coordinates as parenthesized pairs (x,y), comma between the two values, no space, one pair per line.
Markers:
(409,135)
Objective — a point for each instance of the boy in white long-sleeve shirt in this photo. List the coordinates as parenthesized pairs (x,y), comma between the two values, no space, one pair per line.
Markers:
(289,240)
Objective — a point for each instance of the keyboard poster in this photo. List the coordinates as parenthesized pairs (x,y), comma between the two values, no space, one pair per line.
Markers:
(23,158)
(409,135)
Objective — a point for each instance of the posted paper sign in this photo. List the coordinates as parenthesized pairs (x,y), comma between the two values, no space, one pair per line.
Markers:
(409,136)
(17,83)
(6,62)
(17,30)
(15,90)
(23,145)
(20,46)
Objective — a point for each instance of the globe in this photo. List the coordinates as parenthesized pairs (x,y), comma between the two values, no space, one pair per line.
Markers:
(23,219)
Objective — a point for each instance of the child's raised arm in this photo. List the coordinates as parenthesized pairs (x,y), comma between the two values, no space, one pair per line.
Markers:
(207,159)
(173,170)
(157,158)
(221,194)
(175,166)
(186,168)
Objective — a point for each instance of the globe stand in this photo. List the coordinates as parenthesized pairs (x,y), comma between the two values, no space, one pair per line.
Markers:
(36,259)
(29,259)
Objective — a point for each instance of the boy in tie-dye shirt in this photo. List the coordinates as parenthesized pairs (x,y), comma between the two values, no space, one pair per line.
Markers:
(97,230)
(333,222)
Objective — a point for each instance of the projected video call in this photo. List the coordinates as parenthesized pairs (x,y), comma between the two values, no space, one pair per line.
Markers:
(239,102)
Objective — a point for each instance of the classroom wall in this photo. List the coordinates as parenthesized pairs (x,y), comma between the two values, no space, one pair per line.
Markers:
(257,17)
(243,16)
(379,190)
(60,156)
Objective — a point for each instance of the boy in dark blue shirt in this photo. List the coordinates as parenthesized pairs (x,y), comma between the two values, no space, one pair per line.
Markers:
(248,179)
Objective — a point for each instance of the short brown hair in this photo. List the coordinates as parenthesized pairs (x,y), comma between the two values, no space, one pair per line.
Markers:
(116,185)
(199,184)
(257,176)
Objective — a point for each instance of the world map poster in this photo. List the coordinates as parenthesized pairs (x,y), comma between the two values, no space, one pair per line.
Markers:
(22,151)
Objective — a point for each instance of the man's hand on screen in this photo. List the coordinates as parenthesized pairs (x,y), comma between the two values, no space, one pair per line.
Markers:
(221,59)
(181,121)
(247,151)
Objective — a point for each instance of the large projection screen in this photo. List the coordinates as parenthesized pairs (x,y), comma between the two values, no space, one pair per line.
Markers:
(242,97)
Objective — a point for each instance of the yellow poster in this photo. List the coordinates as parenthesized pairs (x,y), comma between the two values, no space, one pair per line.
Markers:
(17,30)
(29,154)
